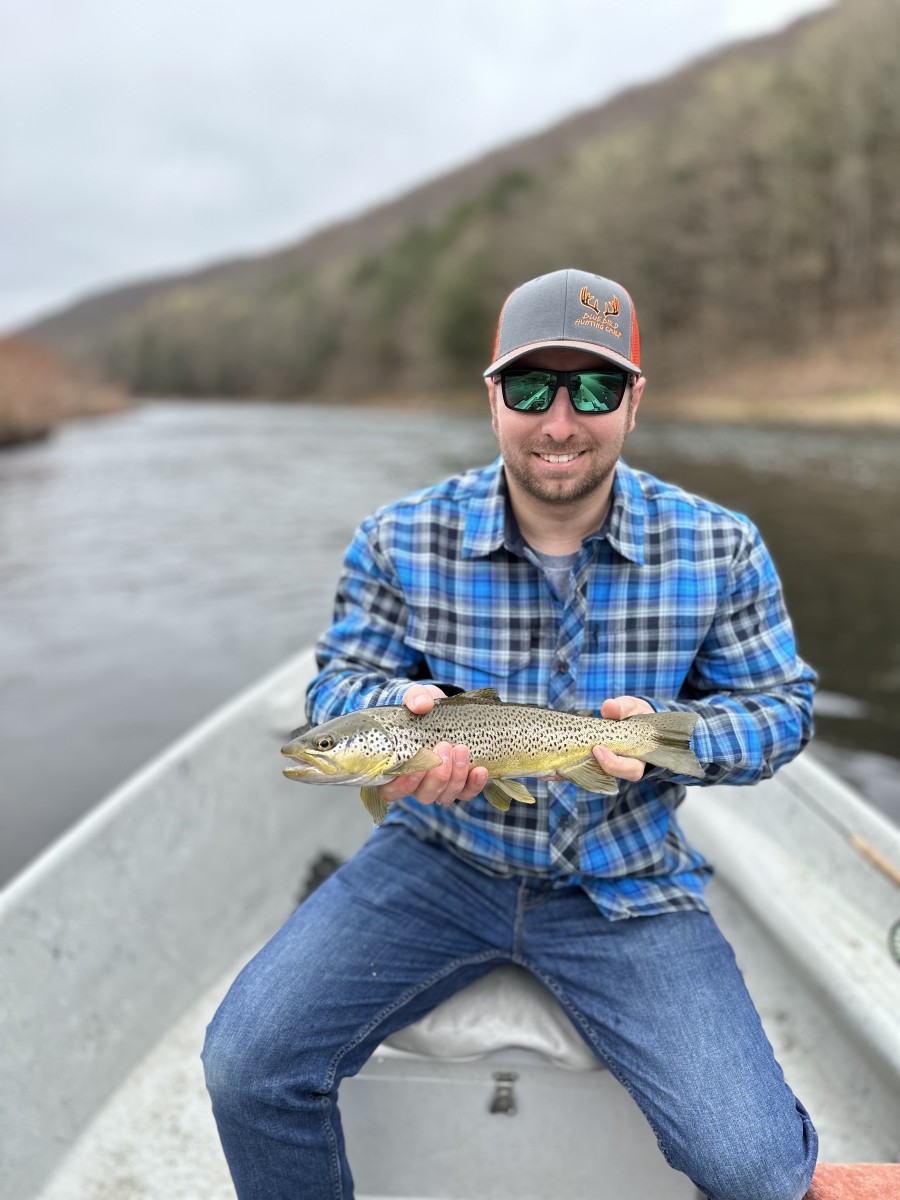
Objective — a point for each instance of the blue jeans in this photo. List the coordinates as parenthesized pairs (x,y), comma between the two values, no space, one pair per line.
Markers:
(405,924)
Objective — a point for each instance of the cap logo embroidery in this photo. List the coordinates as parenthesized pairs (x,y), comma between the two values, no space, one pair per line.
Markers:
(597,320)
(590,301)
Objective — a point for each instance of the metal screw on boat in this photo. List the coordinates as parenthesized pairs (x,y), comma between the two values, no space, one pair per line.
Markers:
(504,1100)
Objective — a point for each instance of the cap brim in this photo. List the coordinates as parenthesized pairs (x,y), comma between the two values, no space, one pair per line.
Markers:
(562,344)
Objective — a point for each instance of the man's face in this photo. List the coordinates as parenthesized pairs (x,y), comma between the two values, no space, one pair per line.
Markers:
(562,456)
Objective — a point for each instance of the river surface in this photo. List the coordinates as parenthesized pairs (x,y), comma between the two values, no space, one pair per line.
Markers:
(153,563)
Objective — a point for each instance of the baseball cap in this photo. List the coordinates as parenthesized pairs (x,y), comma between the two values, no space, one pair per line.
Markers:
(573,309)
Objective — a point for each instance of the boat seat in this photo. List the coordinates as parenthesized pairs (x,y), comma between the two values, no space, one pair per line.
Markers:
(507,1008)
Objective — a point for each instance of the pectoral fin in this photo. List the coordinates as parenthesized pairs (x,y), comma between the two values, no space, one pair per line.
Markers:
(501,792)
(591,776)
(375,803)
(423,760)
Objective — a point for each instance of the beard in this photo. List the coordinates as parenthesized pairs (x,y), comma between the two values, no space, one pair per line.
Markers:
(528,476)
(520,463)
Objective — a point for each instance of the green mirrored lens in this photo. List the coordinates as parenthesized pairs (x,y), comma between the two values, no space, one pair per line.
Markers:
(532,391)
(597,391)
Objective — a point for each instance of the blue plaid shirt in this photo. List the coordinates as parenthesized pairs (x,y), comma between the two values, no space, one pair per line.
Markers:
(674,599)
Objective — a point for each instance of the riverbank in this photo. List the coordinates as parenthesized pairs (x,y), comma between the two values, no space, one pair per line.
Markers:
(39,389)
(878,409)
(821,388)
(816,390)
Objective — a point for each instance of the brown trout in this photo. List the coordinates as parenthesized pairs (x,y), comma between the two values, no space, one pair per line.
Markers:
(374,745)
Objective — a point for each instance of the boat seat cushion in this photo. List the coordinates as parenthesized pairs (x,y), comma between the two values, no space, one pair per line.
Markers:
(506,1008)
(855,1181)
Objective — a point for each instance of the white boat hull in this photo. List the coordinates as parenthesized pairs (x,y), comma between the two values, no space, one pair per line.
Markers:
(116,946)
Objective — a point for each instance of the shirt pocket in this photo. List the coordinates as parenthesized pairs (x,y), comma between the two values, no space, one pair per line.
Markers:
(471,654)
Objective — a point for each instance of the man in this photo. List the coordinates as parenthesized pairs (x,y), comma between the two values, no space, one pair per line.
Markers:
(563,578)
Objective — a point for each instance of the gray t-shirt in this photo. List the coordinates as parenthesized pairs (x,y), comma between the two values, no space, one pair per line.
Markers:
(558,568)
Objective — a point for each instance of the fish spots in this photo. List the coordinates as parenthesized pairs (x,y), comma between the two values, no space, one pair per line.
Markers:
(510,740)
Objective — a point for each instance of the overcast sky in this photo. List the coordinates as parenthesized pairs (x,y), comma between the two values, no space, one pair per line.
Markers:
(137,138)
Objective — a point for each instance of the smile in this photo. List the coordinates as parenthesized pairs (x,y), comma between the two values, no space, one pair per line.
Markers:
(558,458)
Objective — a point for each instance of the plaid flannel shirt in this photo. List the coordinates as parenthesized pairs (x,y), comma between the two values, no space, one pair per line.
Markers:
(674,599)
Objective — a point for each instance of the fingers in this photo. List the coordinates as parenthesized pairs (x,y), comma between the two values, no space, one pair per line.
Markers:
(403,785)
(618,708)
(419,698)
(476,782)
(622,768)
(454,779)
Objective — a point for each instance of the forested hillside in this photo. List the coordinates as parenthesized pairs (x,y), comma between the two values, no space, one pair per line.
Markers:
(751,203)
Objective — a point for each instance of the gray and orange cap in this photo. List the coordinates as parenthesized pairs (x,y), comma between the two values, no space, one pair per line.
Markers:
(571,309)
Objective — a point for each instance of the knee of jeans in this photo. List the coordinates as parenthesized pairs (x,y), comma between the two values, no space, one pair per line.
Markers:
(762,1181)
(228,1057)
(243,1056)
(764,1174)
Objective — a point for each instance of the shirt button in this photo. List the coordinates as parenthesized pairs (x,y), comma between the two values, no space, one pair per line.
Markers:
(562,665)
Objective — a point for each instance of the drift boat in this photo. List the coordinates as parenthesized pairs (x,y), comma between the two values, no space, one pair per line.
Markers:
(117,944)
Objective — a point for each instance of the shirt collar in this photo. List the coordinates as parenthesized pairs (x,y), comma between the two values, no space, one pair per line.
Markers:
(625,525)
(486,513)
(486,517)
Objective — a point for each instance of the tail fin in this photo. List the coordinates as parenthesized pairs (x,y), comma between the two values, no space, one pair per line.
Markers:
(673,743)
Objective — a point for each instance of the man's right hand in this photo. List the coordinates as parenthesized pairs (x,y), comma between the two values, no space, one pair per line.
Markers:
(453,779)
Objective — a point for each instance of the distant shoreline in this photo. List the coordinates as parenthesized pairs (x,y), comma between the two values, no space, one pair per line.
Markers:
(877,410)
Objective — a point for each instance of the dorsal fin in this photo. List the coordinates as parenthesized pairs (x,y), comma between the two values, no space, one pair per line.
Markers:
(487,695)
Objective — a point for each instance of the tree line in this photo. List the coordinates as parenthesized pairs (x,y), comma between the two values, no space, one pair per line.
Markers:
(751,204)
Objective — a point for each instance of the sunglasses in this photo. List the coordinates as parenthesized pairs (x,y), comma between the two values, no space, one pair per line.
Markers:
(589,391)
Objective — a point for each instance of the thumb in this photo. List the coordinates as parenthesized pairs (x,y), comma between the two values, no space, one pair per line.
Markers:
(620,707)
(420,698)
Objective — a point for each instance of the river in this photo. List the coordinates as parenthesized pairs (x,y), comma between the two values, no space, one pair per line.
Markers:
(154,562)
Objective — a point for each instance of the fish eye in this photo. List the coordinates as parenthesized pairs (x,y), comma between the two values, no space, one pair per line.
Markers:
(325,743)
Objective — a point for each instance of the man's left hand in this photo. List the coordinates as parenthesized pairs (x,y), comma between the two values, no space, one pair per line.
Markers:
(617,709)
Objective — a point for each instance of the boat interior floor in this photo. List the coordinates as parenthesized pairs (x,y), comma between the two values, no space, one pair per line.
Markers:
(427,1127)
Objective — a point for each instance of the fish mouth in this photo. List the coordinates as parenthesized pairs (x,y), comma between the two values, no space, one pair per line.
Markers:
(301,772)
(318,768)
(308,764)
(307,774)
